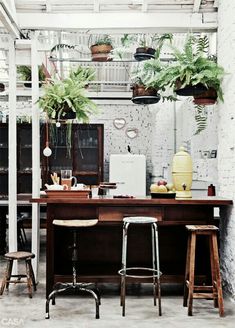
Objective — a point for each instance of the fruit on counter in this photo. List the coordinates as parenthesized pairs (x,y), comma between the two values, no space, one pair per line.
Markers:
(162,182)
(170,186)
(154,187)
(162,188)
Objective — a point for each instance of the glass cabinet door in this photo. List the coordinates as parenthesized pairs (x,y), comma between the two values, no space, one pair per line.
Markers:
(61,144)
(78,147)
(4,159)
(24,165)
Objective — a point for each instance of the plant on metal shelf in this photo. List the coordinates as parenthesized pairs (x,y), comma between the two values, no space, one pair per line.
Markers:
(146,79)
(25,74)
(100,47)
(146,45)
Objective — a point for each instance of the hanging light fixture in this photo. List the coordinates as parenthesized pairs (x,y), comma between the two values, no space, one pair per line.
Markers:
(47,150)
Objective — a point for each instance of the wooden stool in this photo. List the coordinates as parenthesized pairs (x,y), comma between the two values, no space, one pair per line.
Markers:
(74,286)
(10,257)
(204,292)
(151,273)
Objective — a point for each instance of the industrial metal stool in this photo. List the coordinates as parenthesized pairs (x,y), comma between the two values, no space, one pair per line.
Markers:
(30,279)
(207,292)
(74,285)
(155,270)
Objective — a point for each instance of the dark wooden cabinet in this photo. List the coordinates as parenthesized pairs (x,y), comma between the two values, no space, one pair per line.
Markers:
(77,146)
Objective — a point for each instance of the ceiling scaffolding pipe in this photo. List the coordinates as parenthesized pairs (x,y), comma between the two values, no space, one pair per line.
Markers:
(12,157)
(36,175)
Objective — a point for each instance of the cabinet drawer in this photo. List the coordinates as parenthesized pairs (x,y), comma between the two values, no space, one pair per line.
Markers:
(119,212)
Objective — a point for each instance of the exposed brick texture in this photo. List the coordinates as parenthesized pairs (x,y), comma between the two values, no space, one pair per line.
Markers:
(226,137)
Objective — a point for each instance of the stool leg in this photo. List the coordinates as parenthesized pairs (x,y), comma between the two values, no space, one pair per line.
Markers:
(123,277)
(32,274)
(157,267)
(217,272)
(191,273)
(185,302)
(9,272)
(154,264)
(213,273)
(29,280)
(96,297)
(7,276)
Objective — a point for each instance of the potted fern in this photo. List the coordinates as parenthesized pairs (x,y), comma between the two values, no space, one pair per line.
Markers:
(193,72)
(101,47)
(25,74)
(146,87)
(148,81)
(147,46)
(66,99)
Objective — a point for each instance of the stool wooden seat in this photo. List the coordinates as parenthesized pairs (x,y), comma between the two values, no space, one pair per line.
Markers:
(153,272)
(192,291)
(30,278)
(74,286)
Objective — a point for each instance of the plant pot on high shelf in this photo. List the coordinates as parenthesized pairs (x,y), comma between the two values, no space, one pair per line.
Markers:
(144,53)
(144,96)
(209,97)
(101,52)
(25,74)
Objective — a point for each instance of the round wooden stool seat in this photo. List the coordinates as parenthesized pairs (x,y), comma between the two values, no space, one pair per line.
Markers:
(196,227)
(19,255)
(75,223)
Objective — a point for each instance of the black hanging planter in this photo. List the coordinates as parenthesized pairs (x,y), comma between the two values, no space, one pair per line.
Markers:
(190,90)
(144,96)
(144,53)
(2,87)
(70,115)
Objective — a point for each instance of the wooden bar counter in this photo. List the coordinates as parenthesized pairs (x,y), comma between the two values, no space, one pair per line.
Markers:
(100,246)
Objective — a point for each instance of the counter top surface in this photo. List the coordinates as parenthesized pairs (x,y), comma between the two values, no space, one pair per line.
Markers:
(105,201)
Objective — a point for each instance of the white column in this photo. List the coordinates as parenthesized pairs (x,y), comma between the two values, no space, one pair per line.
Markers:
(12,146)
(226,147)
(35,155)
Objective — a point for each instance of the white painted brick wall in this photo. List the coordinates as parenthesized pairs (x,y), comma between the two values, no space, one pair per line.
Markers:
(226,136)
(156,136)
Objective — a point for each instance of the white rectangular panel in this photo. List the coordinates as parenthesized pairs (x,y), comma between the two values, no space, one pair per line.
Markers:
(129,172)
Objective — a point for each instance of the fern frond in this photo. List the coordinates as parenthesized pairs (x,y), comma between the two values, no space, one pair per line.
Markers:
(202,45)
(200,118)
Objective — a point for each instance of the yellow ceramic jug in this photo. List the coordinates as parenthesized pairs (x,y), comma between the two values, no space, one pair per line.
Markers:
(182,173)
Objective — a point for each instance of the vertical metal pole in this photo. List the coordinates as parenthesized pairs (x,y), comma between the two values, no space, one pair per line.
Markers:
(175,128)
(12,157)
(35,155)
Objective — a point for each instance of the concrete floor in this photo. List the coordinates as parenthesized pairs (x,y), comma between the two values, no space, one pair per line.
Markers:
(17,310)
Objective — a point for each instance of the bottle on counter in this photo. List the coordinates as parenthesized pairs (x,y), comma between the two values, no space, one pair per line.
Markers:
(211,190)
